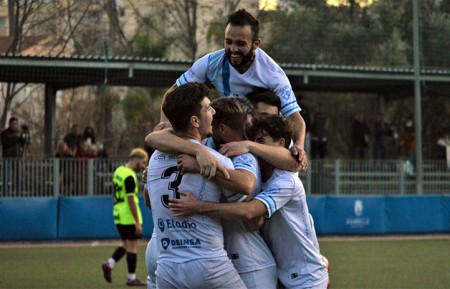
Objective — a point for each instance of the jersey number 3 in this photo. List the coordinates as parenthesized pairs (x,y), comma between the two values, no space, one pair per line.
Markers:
(173,185)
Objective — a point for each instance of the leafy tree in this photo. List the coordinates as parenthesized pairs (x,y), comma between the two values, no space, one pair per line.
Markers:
(295,37)
(435,39)
(175,22)
(146,42)
(138,108)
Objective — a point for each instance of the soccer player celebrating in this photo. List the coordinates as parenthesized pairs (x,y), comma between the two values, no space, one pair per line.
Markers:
(246,248)
(287,228)
(241,67)
(191,250)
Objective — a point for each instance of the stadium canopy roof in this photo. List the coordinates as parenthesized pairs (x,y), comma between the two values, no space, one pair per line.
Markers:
(67,72)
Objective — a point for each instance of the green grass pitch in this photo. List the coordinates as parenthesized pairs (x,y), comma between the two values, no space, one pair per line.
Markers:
(354,264)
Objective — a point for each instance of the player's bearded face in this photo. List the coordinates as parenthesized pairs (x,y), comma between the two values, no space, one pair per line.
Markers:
(240,45)
(244,58)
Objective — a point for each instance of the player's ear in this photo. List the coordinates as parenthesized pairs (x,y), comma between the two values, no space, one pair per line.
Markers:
(281,142)
(222,127)
(194,121)
(256,43)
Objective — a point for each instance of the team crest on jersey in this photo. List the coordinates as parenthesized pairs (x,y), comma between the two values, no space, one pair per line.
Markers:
(161,225)
(165,242)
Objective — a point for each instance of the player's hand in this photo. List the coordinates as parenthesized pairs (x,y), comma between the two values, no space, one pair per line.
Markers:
(184,207)
(187,164)
(209,164)
(162,125)
(144,175)
(234,148)
(255,224)
(300,153)
(138,230)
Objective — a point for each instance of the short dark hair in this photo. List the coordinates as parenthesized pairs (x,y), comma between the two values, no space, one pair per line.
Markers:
(274,126)
(13,119)
(265,96)
(229,111)
(242,18)
(183,102)
(248,107)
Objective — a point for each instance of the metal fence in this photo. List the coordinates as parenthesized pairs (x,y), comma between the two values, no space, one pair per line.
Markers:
(75,177)
(371,177)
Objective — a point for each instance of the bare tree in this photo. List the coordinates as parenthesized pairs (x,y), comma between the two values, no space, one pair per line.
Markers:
(179,24)
(19,14)
(116,33)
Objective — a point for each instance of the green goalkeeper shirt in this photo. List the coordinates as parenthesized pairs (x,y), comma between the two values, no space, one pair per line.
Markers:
(125,185)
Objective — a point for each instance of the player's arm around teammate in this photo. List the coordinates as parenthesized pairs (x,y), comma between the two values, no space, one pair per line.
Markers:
(298,149)
(166,141)
(239,181)
(279,157)
(236,181)
(189,205)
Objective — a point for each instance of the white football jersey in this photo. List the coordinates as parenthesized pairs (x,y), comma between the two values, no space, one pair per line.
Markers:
(246,249)
(288,232)
(264,72)
(184,239)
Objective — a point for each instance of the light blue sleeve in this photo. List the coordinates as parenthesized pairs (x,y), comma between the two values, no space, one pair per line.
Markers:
(197,73)
(278,82)
(284,91)
(274,199)
(246,162)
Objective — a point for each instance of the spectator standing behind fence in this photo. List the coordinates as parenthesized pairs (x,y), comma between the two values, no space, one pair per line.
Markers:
(360,137)
(89,136)
(72,139)
(384,142)
(319,140)
(445,142)
(63,153)
(409,145)
(127,216)
(14,141)
(83,153)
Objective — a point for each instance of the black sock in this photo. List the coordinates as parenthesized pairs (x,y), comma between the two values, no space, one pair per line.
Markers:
(118,254)
(131,261)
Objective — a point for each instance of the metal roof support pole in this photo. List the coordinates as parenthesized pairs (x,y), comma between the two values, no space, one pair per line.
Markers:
(417,100)
(50,120)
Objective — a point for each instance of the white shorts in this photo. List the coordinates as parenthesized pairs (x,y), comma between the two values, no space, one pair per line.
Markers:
(151,255)
(266,278)
(323,285)
(198,274)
